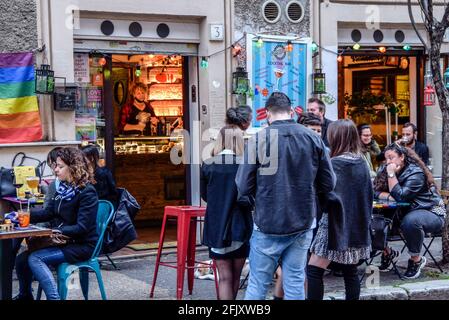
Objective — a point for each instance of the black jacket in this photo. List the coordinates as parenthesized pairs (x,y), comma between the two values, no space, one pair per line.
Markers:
(413,188)
(226,220)
(285,166)
(324,126)
(77,219)
(422,151)
(350,205)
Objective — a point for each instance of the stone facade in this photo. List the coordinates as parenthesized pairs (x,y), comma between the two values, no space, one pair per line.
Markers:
(248,17)
(18,25)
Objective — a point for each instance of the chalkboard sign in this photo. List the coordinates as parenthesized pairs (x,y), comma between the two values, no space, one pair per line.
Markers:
(65,101)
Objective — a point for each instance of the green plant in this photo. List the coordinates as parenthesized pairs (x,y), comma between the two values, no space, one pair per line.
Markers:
(368,106)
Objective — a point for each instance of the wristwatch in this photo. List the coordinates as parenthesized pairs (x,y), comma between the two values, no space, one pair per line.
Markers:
(391,175)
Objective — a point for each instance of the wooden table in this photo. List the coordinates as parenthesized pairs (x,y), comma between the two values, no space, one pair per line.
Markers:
(5,255)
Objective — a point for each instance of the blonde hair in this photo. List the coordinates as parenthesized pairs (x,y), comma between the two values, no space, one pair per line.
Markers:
(230,137)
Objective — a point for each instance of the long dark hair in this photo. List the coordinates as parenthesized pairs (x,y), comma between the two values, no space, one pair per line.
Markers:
(92,154)
(343,137)
(410,157)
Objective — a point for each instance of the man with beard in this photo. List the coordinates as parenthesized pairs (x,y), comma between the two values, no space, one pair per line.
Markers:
(409,139)
(317,107)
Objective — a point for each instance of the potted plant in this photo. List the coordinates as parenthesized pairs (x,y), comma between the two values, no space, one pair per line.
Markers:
(366,107)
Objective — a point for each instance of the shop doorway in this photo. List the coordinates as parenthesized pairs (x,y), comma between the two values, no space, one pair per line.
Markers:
(369,84)
(140,161)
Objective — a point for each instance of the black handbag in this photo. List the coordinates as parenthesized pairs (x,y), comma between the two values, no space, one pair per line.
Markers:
(121,230)
(7,174)
(379,231)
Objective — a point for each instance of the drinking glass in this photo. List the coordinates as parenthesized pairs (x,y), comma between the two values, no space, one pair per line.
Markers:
(33,183)
(18,184)
(24,218)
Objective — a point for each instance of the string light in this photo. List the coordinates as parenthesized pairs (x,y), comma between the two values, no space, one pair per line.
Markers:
(382,49)
(102,62)
(236,50)
(314,46)
(289,47)
(138,71)
(204,63)
(339,58)
(407,47)
(259,42)
(356,46)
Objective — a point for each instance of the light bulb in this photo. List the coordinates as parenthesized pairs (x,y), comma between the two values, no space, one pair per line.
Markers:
(382,49)
(356,46)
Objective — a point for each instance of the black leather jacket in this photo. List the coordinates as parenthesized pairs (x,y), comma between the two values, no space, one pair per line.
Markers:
(413,188)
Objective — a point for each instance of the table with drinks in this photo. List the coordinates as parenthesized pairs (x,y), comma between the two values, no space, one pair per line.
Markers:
(8,232)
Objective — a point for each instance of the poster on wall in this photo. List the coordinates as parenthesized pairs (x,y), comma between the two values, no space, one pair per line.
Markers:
(81,64)
(273,66)
(85,129)
(89,101)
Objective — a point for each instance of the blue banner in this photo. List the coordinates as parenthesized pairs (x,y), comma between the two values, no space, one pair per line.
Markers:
(275,68)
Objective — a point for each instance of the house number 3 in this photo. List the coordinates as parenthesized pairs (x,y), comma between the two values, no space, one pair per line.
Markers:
(216,32)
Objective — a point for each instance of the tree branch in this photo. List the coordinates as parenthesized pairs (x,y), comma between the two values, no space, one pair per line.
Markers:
(412,20)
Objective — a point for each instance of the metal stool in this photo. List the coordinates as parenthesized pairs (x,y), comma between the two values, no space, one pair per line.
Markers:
(186,244)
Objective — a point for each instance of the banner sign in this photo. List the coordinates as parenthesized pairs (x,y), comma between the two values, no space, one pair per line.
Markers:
(274,66)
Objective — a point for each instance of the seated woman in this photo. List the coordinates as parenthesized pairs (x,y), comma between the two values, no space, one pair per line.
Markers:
(343,236)
(104,182)
(370,148)
(405,178)
(72,212)
(228,224)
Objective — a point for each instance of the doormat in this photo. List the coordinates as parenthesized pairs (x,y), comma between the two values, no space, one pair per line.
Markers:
(151,245)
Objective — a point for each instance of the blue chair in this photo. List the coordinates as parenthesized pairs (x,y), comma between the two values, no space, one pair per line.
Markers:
(104,216)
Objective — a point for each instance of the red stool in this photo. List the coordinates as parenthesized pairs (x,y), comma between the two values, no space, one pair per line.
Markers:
(186,245)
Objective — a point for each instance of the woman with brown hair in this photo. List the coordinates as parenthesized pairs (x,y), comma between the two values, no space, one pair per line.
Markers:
(228,223)
(343,236)
(72,212)
(405,178)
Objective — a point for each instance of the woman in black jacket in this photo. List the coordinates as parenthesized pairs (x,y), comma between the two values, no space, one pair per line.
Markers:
(405,178)
(228,224)
(343,236)
(72,212)
(104,182)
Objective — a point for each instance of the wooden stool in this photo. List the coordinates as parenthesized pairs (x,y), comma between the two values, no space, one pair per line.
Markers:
(186,245)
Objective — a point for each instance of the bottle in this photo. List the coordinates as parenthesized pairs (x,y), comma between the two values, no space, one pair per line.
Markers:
(168,130)
(159,129)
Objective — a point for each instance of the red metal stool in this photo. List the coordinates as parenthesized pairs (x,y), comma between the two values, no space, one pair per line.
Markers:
(186,245)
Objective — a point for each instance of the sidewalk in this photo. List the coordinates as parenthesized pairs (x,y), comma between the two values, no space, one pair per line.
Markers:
(135,275)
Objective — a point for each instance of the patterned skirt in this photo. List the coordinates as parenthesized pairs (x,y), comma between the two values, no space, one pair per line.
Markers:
(348,256)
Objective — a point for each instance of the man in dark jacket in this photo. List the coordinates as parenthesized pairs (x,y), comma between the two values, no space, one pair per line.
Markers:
(409,139)
(285,166)
(317,107)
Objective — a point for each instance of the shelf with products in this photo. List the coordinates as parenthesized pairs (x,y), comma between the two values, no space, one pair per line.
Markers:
(165,91)
(146,145)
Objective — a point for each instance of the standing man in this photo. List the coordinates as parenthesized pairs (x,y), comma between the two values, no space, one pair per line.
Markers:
(316,106)
(409,139)
(285,166)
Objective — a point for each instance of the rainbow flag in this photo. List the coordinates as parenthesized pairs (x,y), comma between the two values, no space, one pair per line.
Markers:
(19,111)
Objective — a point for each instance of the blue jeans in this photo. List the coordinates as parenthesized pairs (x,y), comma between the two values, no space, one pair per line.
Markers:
(265,252)
(38,264)
(414,226)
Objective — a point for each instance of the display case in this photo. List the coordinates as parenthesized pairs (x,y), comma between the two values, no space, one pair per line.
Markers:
(147,145)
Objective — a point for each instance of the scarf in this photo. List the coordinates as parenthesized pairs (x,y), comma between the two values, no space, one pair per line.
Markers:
(66,191)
